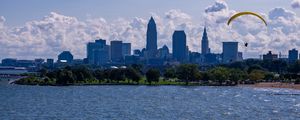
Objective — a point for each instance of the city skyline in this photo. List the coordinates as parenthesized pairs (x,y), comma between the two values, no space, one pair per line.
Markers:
(54,33)
(101,54)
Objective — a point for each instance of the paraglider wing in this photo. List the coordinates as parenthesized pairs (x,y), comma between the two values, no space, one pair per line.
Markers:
(245,13)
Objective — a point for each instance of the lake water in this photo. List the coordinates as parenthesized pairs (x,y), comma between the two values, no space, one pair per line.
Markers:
(147,103)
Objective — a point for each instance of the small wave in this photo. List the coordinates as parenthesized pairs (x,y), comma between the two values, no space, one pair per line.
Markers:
(297,105)
(285,94)
(238,95)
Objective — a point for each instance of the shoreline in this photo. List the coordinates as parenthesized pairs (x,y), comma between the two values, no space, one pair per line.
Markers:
(256,85)
(276,85)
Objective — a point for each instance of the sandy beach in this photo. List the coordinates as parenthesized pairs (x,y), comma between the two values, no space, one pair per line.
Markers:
(278,85)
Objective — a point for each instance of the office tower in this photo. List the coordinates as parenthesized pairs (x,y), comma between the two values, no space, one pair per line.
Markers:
(65,56)
(293,55)
(270,56)
(126,49)
(151,46)
(50,63)
(163,52)
(98,53)
(116,51)
(205,44)
(230,52)
(179,46)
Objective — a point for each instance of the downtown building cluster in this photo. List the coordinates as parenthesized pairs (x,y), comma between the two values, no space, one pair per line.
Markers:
(101,54)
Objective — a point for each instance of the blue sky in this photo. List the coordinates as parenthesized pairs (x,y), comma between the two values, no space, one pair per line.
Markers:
(43,28)
(17,12)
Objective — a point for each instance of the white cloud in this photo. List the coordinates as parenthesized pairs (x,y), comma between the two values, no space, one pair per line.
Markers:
(217,7)
(295,4)
(2,21)
(281,13)
(56,32)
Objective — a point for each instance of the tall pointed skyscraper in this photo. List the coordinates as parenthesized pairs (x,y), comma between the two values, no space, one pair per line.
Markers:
(151,45)
(205,46)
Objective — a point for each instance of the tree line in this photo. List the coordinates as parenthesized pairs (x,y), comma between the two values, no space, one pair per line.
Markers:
(244,72)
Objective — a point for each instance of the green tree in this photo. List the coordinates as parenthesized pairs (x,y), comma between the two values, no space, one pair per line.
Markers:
(107,73)
(64,77)
(133,75)
(294,68)
(99,75)
(257,75)
(117,75)
(188,72)
(43,72)
(152,75)
(170,73)
(237,75)
(220,74)
(206,76)
(238,65)
(82,73)
(137,67)
(255,67)
(269,76)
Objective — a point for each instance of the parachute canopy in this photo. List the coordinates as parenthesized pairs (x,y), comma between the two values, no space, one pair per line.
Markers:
(245,13)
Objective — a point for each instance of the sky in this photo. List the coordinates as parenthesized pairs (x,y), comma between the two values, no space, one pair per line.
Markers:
(43,28)
(17,12)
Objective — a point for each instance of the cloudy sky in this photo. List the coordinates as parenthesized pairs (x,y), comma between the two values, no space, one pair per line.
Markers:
(41,29)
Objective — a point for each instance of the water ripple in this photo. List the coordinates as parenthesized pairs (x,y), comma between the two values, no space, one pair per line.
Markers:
(144,102)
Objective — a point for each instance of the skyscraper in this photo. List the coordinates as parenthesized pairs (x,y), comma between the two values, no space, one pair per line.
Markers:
(116,51)
(205,45)
(151,46)
(179,46)
(293,55)
(126,49)
(98,53)
(50,63)
(163,52)
(230,52)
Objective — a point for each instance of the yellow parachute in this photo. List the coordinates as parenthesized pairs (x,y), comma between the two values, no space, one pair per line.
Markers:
(246,13)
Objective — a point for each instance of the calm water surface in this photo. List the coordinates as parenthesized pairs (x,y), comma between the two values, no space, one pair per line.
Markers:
(147,103)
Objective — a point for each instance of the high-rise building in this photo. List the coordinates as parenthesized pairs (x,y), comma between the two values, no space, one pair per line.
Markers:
(230,52)
(270,56)
(151,46)
(116,51)
(293,55)
(126,49)
(98,53)
(205,44)
(179,46)
(163,52)
(65,56)
(50,63)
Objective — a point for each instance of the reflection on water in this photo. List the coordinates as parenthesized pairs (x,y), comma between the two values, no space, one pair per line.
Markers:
(146,102)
